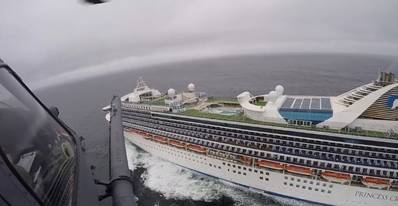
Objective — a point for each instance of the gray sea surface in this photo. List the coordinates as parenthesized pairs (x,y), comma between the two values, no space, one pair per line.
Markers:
(161,183)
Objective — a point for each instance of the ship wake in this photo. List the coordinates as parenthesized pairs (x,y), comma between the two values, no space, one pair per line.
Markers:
(175,182)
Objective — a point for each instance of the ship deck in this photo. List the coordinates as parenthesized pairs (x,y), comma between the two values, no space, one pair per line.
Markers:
(242,119)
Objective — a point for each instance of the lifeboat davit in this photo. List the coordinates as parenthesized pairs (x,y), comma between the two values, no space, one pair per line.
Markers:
(271,165)
(336,177)
(299,170)
(176,143)
(160,139)
(246,160)
(375,182)
(197,149)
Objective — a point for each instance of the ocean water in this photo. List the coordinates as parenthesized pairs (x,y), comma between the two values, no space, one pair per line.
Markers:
(158,182)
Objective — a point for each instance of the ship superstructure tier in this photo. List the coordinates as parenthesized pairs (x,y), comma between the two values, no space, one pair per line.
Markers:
(373,106)
(320,165)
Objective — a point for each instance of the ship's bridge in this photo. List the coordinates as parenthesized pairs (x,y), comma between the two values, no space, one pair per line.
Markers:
(310,109)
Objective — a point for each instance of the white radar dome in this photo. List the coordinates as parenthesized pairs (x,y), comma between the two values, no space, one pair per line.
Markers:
(171,92)
(279,90)
(191,87)
(272,96)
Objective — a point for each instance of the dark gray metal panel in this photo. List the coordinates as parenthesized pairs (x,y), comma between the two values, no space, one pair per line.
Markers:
(3,202)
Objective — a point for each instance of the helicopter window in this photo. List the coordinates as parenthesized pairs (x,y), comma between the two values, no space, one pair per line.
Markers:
(41,152)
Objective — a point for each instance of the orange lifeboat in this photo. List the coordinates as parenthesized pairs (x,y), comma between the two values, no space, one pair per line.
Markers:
(246,160)
(197,148)
(160,139)
(271,165)
(375,182)
(336,177)
(299,170)
(177,144)
(147,135)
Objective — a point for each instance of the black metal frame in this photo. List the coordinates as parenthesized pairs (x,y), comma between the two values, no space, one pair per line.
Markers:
(67,129)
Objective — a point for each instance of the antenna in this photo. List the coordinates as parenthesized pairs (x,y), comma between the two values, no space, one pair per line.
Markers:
(141,83)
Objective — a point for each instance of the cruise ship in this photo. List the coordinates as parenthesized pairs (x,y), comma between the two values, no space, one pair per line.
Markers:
(329,150)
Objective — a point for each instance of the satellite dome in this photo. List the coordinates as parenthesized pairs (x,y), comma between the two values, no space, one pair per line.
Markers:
(272,95)
(171,92)
(191,87)
(279,90)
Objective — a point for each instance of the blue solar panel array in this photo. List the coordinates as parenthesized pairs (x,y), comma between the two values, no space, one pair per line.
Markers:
(314,109)
(307,104)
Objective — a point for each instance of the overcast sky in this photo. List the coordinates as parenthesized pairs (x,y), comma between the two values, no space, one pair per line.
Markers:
(50,41)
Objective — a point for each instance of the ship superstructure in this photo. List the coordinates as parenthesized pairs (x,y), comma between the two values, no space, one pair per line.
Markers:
(263,148)
(369,107)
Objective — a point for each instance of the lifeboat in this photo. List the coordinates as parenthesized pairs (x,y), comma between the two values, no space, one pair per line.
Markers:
(147,135)
(196,148)
(336,177)
(270,164)
(160,139)
(375,182)
(299,170)
(177,144)
(246,160)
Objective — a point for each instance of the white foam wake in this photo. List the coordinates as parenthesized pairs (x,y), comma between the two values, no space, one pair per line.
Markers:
(175,182)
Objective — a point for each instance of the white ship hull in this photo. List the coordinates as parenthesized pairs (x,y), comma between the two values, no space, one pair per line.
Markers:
(272,182)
